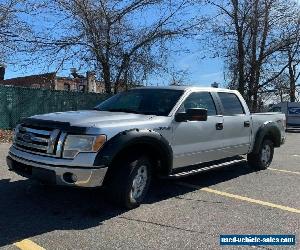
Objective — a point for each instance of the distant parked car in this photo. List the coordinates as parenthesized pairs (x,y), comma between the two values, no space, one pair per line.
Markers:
(292,112)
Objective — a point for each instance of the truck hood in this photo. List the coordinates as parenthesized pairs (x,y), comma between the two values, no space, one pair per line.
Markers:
(94,118)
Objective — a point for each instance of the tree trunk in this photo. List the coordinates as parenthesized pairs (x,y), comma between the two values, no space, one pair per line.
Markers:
(123,71)
(106,78)
(255,102)
(240,47)
(241,73)
(292,91)
(281,96)
(292,78)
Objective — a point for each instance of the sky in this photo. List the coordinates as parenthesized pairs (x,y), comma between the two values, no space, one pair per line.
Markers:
(201,72)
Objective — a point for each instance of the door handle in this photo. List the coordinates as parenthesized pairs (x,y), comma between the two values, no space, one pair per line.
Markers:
(247,124)
(219,126)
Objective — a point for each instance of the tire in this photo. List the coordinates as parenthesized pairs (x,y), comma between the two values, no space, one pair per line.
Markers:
(129,181)
(264,157)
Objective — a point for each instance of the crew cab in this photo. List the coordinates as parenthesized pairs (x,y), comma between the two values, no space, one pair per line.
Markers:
(142,133)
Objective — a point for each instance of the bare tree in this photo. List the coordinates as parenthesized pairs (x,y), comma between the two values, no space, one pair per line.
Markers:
(256,34)
(7,17)
(280,87)
(179,77)
(124,40)
(15,34)
(293,65)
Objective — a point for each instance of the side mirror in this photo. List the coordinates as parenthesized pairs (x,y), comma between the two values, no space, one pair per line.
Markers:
(195,114)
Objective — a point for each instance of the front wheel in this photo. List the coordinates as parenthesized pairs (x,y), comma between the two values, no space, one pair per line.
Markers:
(130,181)
(263,158)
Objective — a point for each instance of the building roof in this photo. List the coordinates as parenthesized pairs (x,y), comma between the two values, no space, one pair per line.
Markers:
(32,79)
(46,75)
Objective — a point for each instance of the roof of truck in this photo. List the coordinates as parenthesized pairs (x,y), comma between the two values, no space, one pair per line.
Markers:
(185,88)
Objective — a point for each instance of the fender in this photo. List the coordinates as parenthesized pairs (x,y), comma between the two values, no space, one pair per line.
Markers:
(268,129)
(135,137)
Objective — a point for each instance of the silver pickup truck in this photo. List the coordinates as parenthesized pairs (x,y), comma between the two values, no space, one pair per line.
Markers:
(142,133)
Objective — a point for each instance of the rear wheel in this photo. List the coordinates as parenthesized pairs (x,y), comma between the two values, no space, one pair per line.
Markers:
(263,158)
(129,181)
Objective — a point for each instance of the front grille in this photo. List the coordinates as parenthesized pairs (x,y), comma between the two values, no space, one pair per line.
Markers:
(36,140)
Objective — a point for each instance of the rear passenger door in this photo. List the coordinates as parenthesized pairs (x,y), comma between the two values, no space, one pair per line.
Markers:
(236,127)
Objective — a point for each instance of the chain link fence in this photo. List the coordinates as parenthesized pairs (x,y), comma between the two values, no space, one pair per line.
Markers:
(17,103)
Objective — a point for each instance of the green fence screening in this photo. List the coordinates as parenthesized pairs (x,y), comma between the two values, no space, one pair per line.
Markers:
(17,103)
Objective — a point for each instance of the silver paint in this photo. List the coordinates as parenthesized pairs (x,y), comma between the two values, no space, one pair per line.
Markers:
(192,142)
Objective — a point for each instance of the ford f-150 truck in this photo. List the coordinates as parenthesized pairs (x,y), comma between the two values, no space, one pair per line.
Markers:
(142,133)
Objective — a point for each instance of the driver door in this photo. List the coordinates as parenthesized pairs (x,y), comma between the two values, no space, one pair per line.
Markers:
(198,141)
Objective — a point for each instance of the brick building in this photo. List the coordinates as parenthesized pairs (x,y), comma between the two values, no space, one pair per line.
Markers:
(75,82)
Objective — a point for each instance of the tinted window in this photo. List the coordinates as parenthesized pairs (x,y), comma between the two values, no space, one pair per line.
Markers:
(231,104)
(199,100)
(142,101)
(276,109)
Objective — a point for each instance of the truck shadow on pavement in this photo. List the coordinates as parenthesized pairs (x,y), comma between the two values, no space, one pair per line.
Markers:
(28,209)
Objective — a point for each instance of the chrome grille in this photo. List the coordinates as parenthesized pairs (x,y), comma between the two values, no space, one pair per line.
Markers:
(36,140)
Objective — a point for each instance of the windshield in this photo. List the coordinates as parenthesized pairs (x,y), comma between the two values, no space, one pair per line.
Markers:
(142,101)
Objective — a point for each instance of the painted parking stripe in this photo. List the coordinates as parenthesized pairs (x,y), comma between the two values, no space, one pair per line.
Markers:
(242,198)
(284,171)
(28,245)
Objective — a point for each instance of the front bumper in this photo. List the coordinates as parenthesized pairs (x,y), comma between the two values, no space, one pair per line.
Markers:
(82,176)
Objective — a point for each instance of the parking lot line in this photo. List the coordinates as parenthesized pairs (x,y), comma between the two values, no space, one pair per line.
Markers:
(242,198)
(28,245)
(284,171)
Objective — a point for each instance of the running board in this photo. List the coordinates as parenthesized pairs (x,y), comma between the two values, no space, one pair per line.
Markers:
(203,169)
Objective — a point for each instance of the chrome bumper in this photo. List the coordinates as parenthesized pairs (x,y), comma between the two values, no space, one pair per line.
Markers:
(83,176)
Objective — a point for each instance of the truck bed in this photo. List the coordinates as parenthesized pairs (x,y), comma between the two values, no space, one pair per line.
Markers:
(258,119)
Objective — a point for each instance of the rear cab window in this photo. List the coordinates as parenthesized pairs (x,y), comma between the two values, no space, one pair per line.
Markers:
(231,104)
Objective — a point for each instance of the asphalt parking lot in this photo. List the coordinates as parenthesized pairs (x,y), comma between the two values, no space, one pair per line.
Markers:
(190,213)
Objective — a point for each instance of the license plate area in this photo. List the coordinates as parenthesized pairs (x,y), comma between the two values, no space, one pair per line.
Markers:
(19,168)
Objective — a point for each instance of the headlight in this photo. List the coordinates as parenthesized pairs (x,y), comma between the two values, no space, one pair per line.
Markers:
(75,144)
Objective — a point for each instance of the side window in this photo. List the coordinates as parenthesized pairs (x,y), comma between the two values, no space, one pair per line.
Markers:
(231,104)
(276,109)
(199,100)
